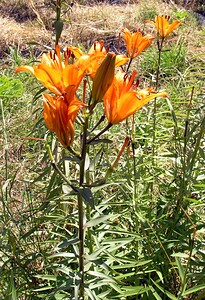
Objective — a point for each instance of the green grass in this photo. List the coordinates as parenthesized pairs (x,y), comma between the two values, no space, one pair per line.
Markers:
(145,236)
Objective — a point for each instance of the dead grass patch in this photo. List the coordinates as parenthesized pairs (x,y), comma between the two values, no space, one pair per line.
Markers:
(82,24)
(20,10)
(17,35)
(104,21)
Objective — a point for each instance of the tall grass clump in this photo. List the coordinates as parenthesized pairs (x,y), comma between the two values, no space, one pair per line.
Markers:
(107,200)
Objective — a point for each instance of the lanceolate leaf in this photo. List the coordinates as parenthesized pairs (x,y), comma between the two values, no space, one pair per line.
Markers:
(87,196)
(98,220)
(167,293)
(194,289)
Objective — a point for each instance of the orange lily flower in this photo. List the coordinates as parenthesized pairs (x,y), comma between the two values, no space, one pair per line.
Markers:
(60,113)
(97,53)
(135,42)
(162,25)
(55,74)
(122,101)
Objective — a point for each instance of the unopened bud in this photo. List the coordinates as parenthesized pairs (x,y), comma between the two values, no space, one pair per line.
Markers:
(103,77)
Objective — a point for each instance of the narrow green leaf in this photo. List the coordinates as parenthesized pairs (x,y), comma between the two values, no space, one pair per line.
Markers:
(33,43)
(155,294)
(13,288)
(179,254)
(68,242)
(90,294)
(94,162)
(45,288)
(47,277)
(87,196)
(98,220)
(134,290)
(31,231)
(131,265)
(101,275)
(62,254)
(194,289)
(180,268)
(98,141)
(167,293)
(65,270)
(115,287)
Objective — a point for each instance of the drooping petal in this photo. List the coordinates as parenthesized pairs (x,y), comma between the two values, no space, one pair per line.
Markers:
(49,111)
(56,74)
(59,114)
(173,26)
(25,69)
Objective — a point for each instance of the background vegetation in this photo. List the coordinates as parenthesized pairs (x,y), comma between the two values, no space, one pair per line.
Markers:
(146,234)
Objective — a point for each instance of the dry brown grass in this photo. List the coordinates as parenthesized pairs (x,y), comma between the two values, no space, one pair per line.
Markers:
(16,35)
(25,21)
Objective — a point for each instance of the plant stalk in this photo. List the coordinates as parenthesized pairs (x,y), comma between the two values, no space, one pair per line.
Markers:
(160,45)
(81,208)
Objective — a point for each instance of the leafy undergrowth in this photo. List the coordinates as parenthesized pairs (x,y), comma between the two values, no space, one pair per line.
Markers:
(145,236)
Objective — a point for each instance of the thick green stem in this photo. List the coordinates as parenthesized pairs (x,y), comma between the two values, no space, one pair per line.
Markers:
(81,208)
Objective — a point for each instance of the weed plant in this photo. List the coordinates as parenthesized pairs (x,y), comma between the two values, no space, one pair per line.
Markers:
(144,219)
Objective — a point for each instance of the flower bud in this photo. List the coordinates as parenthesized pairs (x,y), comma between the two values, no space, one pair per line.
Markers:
(103,77)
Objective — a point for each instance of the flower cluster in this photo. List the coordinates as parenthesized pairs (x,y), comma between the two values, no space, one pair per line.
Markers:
(62,74)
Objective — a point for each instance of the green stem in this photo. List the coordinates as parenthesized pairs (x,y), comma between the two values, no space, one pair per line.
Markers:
(135,200)
(81,208)
(88,213)
(160,45)
(129,64)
